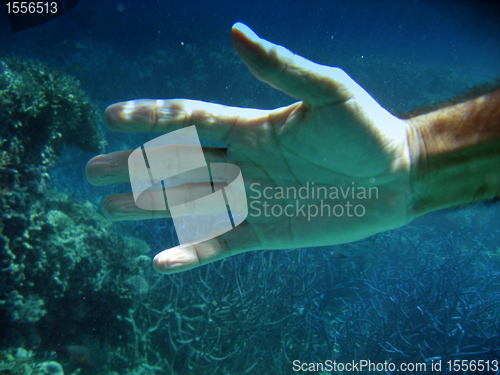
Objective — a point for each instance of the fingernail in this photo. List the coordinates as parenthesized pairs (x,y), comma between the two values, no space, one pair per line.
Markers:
(98,169)
(112,115)
(171,260)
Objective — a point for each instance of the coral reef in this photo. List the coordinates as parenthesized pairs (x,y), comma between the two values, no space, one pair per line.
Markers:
(56,246)
(23,362)
(59,259)
(74,284)
(42,108)
(64,267)
(421,298)
(51,368)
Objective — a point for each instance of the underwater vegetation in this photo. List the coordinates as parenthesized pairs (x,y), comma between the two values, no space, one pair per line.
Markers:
(22,362)
(74,284)
(410,297)
(404,296)
(41,108)
(52,248)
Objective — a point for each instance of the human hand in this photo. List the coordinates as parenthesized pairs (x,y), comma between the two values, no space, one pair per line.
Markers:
(336,136)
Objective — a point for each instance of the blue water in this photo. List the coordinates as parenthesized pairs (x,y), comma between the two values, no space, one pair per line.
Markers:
(425,293)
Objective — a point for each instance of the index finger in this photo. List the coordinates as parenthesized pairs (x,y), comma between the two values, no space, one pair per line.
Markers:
(213,121)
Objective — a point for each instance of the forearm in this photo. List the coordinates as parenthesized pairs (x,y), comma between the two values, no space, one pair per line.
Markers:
(455,154)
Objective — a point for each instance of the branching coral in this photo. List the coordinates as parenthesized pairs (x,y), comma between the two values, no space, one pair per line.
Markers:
(22,362)
(29,309)
(40,110)
(45,108)
(67,274)
(59,258)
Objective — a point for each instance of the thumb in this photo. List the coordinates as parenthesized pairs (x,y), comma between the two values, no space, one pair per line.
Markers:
(296,76)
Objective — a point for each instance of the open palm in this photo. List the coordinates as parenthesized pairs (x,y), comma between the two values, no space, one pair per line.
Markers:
(329,169)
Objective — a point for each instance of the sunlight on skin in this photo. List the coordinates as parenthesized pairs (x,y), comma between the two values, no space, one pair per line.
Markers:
(335,136)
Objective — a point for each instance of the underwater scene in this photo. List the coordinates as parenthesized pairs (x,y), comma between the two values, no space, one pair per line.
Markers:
(79,293)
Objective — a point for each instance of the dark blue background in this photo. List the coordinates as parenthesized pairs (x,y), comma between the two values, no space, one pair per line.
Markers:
(401,51)
(407,54)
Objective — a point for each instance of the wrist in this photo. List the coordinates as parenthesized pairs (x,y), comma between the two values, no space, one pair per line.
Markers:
(455,154)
